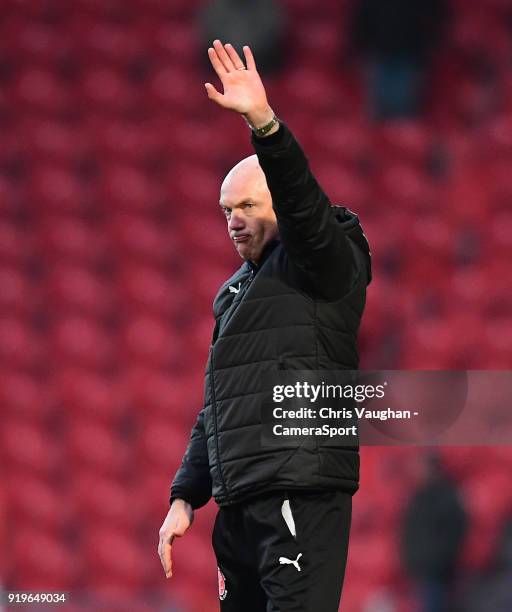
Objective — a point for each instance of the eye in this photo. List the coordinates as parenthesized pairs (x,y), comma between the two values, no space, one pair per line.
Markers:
(249,205)
(226,211)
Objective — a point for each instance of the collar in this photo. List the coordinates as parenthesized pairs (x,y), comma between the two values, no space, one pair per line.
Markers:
(267,250)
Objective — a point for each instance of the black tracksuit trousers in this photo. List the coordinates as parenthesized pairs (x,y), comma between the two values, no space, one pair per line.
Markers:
(283,552)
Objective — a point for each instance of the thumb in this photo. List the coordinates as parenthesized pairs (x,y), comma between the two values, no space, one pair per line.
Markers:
(213,94)
(179,529)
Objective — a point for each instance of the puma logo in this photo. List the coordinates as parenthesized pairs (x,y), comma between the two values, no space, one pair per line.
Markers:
(285,561)
(235,289)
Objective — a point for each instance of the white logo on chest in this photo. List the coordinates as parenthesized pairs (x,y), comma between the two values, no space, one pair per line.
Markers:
(235,289)
(285,561)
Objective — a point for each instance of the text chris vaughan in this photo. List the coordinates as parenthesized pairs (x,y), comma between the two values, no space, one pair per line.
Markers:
(345,413)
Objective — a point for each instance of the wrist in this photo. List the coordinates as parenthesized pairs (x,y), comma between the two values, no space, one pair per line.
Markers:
(257,118)
(178,501)
(262,123)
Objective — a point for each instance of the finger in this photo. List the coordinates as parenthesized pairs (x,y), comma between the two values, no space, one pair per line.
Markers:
(164,552)
(235,58)
(223,56)
(249,58)
(213,94)
(218,66)
(167,560)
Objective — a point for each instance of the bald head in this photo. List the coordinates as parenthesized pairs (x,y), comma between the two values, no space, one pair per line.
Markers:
(247,205)
(248,171)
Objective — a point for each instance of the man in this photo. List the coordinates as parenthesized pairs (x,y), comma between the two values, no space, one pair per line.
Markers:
(281,533)
(433,533)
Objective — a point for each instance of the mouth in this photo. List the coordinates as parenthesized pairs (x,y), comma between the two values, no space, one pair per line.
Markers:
(241,238)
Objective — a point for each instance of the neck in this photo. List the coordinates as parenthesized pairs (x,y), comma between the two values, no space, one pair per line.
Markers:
(265,251)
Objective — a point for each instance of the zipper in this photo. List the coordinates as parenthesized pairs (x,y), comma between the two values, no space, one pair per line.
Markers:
(215,428)
(247,282)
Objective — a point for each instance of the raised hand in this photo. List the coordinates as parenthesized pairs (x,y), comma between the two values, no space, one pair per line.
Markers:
(244,92)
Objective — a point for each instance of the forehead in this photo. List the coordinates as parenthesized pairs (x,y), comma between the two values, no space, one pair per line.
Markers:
(243,182)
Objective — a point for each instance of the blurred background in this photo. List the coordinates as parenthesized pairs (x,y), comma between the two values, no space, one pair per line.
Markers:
(112,248)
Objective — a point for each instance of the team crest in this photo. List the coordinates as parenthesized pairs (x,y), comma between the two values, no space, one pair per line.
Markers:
(222,585)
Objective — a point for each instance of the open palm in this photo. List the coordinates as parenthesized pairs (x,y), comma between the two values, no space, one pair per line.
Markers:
(243,88)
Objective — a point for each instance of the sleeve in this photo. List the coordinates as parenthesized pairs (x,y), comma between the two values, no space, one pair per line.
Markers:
(312,238)
(192,481)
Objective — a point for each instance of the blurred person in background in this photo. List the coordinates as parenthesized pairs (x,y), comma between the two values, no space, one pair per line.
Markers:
(261,24)
(434,528)
(396,39)
(281,533)
(493,591)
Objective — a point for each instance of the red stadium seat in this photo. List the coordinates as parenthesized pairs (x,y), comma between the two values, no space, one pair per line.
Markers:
(499,184)
(146,290)
(38,502)
(86,394)
(183,10)
(105,90)
(495,139)
(406,141)
(69,239)
(156,394)
(161,444)
(497,336)
(59,570)
(103,501)
(93,445)
(314,90)
(52,188)
(197,141)
(173,89)
(402,187)
(75,290)
(15,245)
(153,491)
(500,298)
(148,340)
(319,42)
(374,555)
(17,295)
(135,237)
(172,40)
(207,237)
(19,345)
(40,91)
(429,344)
(113,558)
(55,141)
(8,192)
(82,342)
(23,395)
(39,43)
(499,235)
(139,143)
(125,188)
(29,447)
(346,141)
(105,42)
(341,184)
(204,196)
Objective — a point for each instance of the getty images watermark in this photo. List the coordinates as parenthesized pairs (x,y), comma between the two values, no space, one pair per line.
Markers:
(351,408)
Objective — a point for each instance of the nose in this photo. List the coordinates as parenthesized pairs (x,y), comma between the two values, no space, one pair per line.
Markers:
(236,221)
